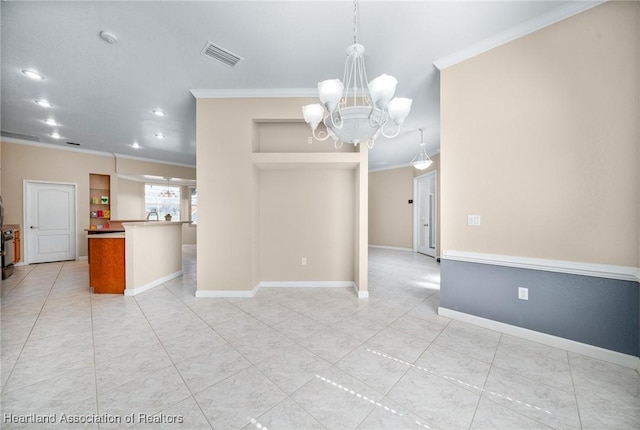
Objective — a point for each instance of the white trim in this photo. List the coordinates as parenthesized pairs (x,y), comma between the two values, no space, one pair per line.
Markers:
(395,166)
(89,151)
(83,258)
(403,165)
(281,284)
(550,18)
(394,248)
(150,160)
(306,284)
(244,294)
(623,273)
(596,352)
(253,93)
(150,285)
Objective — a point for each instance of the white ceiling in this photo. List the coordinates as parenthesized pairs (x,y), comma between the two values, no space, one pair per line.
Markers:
(103,93)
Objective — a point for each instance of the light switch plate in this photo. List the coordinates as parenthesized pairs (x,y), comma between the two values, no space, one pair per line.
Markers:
(473,219)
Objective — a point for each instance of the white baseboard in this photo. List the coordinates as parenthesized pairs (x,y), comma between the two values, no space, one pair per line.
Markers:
(150,285)
(281,284)
(623,273)
(306,284)
(546,339)
(242,294)
(83,258)
(393,248)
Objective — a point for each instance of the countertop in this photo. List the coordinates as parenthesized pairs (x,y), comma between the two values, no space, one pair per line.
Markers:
(10,227)
(115,226)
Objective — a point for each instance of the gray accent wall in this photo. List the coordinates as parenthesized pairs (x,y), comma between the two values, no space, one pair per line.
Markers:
(595,311)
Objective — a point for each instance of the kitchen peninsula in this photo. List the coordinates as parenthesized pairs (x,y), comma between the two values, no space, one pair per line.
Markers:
(130,257)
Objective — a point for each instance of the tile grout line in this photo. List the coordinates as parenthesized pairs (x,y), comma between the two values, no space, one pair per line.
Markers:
(95,366)
(575,392)
(484,383)
(32,326)
(173,363)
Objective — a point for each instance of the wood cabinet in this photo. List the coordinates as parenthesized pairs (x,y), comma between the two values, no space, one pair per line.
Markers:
(16,246)
(107,264)
(99,201)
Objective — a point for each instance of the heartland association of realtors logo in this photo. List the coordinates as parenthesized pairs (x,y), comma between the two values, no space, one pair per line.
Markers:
(133,418)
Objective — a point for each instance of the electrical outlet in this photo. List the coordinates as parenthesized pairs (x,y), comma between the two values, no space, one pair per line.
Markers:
(523,293)
(304,261)
(309,140)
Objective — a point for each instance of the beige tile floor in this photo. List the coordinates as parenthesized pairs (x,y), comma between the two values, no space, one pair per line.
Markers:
(287,359)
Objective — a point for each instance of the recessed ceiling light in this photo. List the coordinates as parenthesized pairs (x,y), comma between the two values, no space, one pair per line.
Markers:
(135,145)
(32,74)
(158,112)
(43,103)
(51,122)
(160,136)
(108,37)
(55,135)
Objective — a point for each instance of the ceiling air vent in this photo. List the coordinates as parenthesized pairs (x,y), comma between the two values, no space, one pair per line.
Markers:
(215,52)
(19,136)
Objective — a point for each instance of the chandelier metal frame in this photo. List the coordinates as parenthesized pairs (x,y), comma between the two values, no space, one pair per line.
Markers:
(358,110)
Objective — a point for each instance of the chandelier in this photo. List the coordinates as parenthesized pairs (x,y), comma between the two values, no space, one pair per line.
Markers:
(168,193)
(421,161)
(357,111)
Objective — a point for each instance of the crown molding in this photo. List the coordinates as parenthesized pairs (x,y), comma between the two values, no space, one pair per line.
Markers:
(253,93)
(550,18)
(151,160)
(90,151)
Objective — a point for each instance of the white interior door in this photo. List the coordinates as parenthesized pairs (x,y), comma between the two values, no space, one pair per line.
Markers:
(50,222)
(425,219)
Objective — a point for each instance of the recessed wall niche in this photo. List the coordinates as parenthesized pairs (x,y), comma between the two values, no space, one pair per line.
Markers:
(290,137)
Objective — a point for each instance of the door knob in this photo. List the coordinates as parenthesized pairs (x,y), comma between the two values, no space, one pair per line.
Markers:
(34,226)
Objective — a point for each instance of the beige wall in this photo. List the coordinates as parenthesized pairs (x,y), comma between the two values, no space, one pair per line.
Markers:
(390,214)
(541,138)
(153,252)
(28,162)
(130,199)
(306,213)
(233,189)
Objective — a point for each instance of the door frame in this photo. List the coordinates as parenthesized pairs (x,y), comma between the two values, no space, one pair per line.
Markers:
(416,211)
(25,212)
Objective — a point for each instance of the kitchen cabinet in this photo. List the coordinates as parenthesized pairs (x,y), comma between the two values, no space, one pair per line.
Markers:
(107,263)
(16,246)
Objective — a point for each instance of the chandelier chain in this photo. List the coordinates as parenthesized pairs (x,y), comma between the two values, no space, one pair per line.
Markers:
(355,21)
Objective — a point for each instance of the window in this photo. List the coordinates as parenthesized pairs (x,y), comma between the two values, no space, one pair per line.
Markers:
(160,200)
(193,205)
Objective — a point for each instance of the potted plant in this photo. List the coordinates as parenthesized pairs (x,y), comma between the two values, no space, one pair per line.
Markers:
(167,217)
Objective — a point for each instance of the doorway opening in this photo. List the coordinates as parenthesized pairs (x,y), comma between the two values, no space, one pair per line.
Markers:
(425,229)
